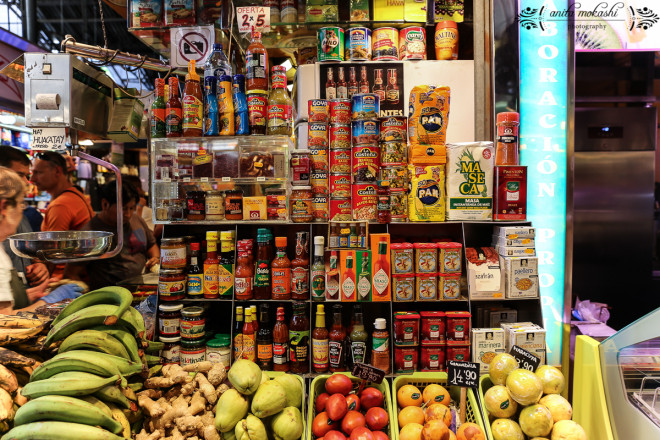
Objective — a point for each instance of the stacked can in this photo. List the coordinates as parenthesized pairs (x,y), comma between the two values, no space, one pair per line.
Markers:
(340,159)
(318,135)
(394,163)
(365,155)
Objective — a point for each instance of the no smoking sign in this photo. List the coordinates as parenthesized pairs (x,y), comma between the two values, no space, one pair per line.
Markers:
(191,43)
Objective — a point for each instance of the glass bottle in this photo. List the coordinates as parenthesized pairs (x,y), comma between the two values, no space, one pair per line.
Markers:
(364,278)
(362,238)
(318,270)
(348,281)
(383,206)
(255,321)
(264,340)
(238,333)
(381,279)
(352,237)
(173,109)
(262,285)
(211,263)
(352,82)
(158,111)
(300,268)
(333,241)
(332,279)
(243,274)
(256,59)
(226,266)
(320,341)
(392,90)
(195,276)
(364,81)
(193,105)
(358,338)
(299,339)
(344,232)
(330,85)
(280,113)
(280,343)
(380,352)
(281,269)
(379,88)
(337,344)
(342,87)
(249,337)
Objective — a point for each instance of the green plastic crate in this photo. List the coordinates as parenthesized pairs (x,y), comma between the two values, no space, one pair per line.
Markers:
(318,387)
(420,380)
(484,384)
(274,374)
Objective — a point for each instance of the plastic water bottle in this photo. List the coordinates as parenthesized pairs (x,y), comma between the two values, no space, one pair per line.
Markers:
(217,63)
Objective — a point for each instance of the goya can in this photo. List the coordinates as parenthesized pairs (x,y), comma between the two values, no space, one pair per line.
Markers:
(386,44)
(412,43)
(317,135)
(318,110)
(365,132)
(364,201)
(365,162)
(257,101)
(330,44)
(340,137)
(340,209)
(393,153)
(320,207)
(358,44)
(393,129)
(340,185)
(399,205)
(319,158)
(340,111)
(365,106)
(340,161)
(396,174)
(319,182)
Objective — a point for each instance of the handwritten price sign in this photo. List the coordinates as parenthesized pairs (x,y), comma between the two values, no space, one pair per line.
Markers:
(463,374)
(249,17)
(525,359)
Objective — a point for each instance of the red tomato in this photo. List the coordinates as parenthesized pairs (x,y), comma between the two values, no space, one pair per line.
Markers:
(352,420)
(320,402)
(380,435)
(370,398)
(336,407)
(338,383)
(362,433)
(353,402)
(377,418)
(334,435)
(322,425)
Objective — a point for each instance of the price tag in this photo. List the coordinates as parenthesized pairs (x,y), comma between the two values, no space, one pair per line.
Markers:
(525,359)
(204,179)
(167,180)
(186,179)
(367,372)
(51,139)
(226,179)
(261,179)
(463,374)
(249,17)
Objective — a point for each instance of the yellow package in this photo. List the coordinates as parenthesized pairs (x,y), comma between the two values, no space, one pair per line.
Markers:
(254,208)
(429,115)
(427,154)
(426,199)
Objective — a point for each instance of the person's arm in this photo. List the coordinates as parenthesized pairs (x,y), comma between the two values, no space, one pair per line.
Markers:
(36,273)
(153,255)
(6,308)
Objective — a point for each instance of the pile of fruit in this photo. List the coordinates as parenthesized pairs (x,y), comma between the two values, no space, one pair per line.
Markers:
(342,414)
(532,398)
(430,415)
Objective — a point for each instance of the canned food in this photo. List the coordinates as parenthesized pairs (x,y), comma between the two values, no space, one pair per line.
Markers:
(402,258)
(340,185)
(365,132)
(364,201)
(340,111)
(257,102)
(300,167)
(320,208)
(318,135)
(340,161)
(319,158)
(426,286)
(393,129)
(426,257)
(432,358)
(397,175)
(405,359)
(399,205)
(449,286)
(340,209)
(340,137)
(458,352)
(433,327)
(403,287)
(358,44)
(365,163)
(458,326)
(330,44)
(319,181)
(450,257)
(386,44)
(318,111)
(412,43)
(393,153)
(406,328)
(365,106)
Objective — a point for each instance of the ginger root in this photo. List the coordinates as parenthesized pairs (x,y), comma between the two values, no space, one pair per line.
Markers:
(175,373)
(188,423)
(210,433)
(206,388)
(156,435)
(221,388)
(197,403)
(188,389)
(199,367)
(152,408)
(151,393)
(217,374)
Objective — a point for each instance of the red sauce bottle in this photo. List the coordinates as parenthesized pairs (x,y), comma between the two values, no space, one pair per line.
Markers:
(281,269)
(193,105)
(300,268)
(256,59)
(337,344)
(280,343)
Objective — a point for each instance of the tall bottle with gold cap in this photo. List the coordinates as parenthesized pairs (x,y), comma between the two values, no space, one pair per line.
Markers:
(211,263)
(226,266)
(249,337)
(193,104)
(320,342)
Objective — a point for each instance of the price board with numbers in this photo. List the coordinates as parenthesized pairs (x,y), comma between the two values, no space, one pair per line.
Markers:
(525,359)
(367,372)
(253,17)
(463,374)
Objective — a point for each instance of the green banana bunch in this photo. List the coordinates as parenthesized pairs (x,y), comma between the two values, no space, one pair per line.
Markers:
(86,361)
(94,340)
(65,409)
(72,383)
(153,346)
(113,394)
(58,431)
(97,403)
(123,336)
(111,295)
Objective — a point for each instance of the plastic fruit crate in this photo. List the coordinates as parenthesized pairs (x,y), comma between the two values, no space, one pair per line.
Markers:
(318,387)
(484,385)
(273,375)
(420,380)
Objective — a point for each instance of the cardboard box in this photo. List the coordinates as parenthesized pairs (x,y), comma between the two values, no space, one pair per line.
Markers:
(388,10)
(514,251)
(528,338)
(363,267)
(126,116)
(414,10)
(332,276)
(485,280)
(513,232)
(348,283)
(486,344)
(380,269)
(498,240)
(510,193)
(254,208)
(497,317)
(521,276)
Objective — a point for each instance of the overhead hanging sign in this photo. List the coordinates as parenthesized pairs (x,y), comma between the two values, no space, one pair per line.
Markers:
(191,43)
(249,17)
(51,139)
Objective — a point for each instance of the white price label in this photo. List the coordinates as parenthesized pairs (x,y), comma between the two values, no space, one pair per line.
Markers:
(204,179)
(253,17)
(226,179)
(186,179)
(261,179)
(52,139)
(167,180)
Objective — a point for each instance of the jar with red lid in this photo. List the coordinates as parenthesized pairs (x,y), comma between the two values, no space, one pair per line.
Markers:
(406,328)
(406,359)
(433,327)
(451,256)
(458,326)
(459,352)
(426,257)
(402,258)
(171,284)
(432,357)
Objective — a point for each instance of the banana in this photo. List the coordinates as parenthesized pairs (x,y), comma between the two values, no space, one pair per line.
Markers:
(97,403)
(65,409)
(10,358)
(119,416)
(151,360)
(17,335)
(56,366)
(112,295)
(95,341)
(123,336)
(113,394)
(58,431)
(15,321)
(136,386)
(72,383)
(154,346)
(125,366)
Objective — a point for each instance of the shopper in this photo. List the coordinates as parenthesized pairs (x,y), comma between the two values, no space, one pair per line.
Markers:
(139,252)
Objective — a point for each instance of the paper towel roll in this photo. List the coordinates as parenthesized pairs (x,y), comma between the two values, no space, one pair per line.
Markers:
(48,101)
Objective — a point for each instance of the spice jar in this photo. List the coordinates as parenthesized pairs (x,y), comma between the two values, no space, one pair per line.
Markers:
(171,284)
(173,253)
(192,323)
(215,205)
(301,204)
(169,319)
(218,351)
(234,204)
(192,351)
(171,352)
(175,210)
(195,205)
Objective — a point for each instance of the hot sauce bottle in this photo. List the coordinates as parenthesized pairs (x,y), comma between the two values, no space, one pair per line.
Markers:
(379,88)
(280,343)
(193,104)
(262,286)
(158,111)
(364,81)
(211,267)
(256,59)
(332,279)
(381,269)
(318,270)
(281,267)
(320,340)
(300,268)
(264,341)
(226,265)
(238,333)
(243,274)
(348,280)
(352,83)
(173,110)
(249,337)
(299,339)
(337,344)
(392,90)
(380,353)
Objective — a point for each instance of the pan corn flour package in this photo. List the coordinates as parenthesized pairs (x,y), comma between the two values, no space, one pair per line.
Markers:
(470,180)
(428,115)
(426,198)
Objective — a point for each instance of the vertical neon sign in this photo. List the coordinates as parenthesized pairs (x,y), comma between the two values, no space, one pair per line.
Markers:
(543,113)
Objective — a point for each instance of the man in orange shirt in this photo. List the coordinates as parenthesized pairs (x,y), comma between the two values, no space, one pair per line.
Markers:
(68,210)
